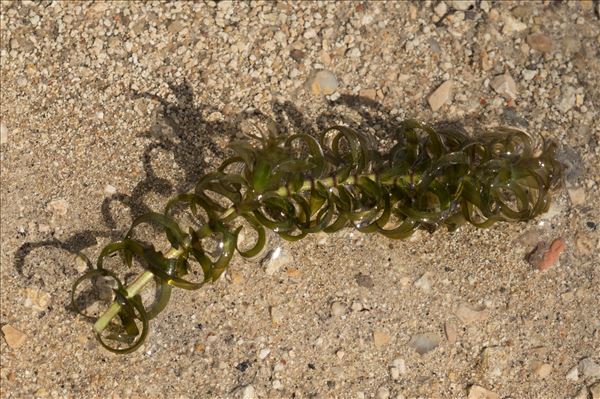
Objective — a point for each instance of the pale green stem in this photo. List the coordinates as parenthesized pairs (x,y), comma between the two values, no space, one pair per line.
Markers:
(139,283)
(132,290)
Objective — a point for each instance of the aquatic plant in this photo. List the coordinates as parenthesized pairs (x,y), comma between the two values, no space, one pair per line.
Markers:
(298,184)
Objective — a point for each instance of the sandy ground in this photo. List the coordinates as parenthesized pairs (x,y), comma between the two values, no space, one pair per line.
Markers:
(109,109)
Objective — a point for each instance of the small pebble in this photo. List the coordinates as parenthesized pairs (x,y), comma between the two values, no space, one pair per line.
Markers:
(423,283)
(277,315)
(58,207)
(297,55)
(595,390)
(383,393)
(528,74)
(477,392)
(277,385)
(451,331)
(36,299)
(364,280)
(13,337)
(544,256)
(542,370)
(573,374)
(234,277)
(354,52)
(493,361)
(275,260)
(576,195)
(441,9)
(582,394)
(249,392)
(357,306)
(485,6)
(512,25)
(338,309)
(398,368)
(540,42)
(589,368)
(462,5)
(3,134)
(322,82)
(371,94)
(380,338)
(441,95)
(568,99)
(424,343)
(468,315)
(110,190)
(585,243)
(264,353)
(310,34)
(505,86)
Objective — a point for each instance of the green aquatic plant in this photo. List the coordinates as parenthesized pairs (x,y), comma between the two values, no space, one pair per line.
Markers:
(297,184)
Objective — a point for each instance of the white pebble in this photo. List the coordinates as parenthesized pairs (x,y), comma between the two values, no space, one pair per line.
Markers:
(3,134)
(383,393)
(264,353)
(249,392)
(423,283)
(310,34)
(338,309)
(110,190)
(573,374)
(441,9)
(441,95)
(354,52)
(322,82)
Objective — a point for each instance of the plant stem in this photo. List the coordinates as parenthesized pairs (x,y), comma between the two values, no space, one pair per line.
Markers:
(132,290)
(140,282)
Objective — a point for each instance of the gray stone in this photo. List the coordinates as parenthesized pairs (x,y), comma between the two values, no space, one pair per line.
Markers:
(589,368)
(424,343)
(528,74)
(567,99)
(364,281)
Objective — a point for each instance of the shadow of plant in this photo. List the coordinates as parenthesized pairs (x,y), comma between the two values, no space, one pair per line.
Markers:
(192,133)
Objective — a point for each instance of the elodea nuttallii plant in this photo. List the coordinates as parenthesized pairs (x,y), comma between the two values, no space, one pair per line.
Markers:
(297,184)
